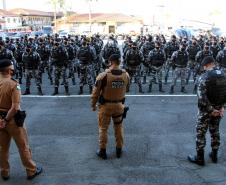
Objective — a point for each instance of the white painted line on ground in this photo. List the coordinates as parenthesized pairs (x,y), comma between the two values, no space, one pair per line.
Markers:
(129,95)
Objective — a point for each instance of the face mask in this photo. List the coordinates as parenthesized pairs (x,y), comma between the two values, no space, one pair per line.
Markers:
(157,48)
(28,50)
(183,49)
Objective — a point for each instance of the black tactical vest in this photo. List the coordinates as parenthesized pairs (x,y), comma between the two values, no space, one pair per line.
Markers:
(216,87)
(181,59)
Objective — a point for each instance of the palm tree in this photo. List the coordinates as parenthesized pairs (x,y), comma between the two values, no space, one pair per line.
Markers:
(57,4)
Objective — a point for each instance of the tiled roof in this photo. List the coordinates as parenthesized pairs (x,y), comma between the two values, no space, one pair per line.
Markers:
(104,17)
(5,13)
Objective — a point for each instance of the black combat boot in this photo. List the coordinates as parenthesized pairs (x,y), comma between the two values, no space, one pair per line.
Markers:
(197,159)
(118,152)
(172,90)
(40,91)
(183,90)
(55,91)
(90,89)
(5,178)
(67,91)
(160,88)
(140,89)
(213,155)
(102,154)
(81,90)
(27,91)
(144,80)
(20,80)
(150,88)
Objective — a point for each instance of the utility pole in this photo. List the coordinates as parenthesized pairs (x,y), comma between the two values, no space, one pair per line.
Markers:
(4,4)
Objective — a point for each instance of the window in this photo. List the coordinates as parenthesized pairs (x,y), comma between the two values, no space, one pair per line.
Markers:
(8,20)
(14,20)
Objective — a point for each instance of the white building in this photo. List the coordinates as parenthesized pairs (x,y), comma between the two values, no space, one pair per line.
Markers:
(9,20)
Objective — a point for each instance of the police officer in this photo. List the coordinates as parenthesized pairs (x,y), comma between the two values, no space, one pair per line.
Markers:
(133,60)
(110,89)
(9,105)
(221,59)
(85,57)
(32,60)
(59,59)
(211,101)
(156,60)
(179,61)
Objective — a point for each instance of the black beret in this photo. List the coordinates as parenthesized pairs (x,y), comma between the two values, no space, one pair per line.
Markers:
(207,60)
(114,57)
(5,63)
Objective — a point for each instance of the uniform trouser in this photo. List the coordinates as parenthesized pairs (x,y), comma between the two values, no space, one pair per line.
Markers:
(71,68)
(86,75)
(58,72)
(204,122)
(35,74)
(155,74)
(135,73)
(191,70)
(46,65)
(106,112)
(19,134)
(179,72)
(19,72)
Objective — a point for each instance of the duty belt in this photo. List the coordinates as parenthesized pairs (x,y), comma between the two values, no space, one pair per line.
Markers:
(115,101)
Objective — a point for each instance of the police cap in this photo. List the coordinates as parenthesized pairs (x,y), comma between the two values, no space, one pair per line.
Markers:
(5,63)
(207,60)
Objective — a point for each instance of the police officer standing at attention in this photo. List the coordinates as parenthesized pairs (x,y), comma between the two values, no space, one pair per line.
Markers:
(211,101)
(9,107)
(110,89)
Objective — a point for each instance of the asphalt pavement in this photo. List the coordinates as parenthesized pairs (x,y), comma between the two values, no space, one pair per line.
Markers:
(159,134)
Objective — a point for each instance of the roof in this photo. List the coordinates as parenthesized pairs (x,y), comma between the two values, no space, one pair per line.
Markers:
(5,13)
(30,12)
(103,17)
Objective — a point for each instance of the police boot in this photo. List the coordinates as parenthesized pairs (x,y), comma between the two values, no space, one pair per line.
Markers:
(27,91)
(144,80)
(20,80)
(150,88)
(140,89)
(73,81)
(102,154)
(183,90)
(195,89)
(81,90)
(67,91)
(118,152)
(172,90)
(90,89)
(160,88)
(55,91)
(213,155)
(40,91)
(197,159)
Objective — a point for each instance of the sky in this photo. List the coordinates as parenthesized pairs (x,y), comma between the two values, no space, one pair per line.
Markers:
(188,9)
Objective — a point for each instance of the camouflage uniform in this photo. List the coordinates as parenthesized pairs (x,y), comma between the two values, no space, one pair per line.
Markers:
(221,59)
(179,62)
(133,61)
(86,58)
(156,61)
(32,62)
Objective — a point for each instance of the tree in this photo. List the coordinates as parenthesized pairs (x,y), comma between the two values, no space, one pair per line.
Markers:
(57,4)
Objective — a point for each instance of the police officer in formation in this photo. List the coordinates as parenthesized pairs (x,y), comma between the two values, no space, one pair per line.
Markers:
(86,57)
(133,60)
(59,59)
(211,94)
(156,60)
(31,60)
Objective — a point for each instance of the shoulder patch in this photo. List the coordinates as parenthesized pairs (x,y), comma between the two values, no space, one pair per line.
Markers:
(18,87)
